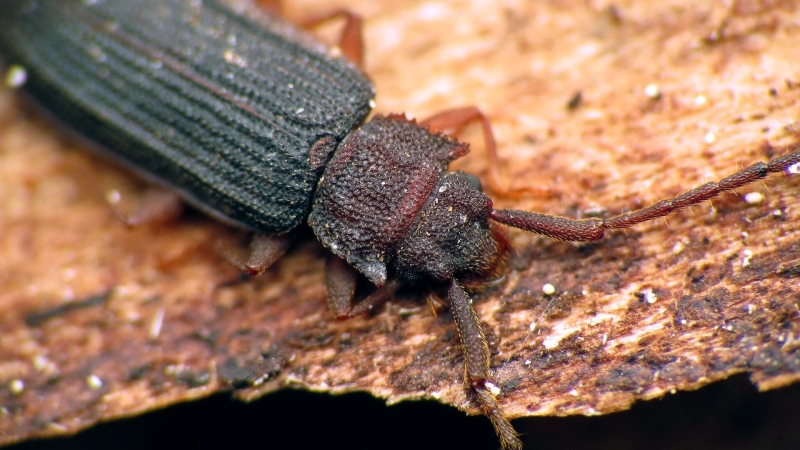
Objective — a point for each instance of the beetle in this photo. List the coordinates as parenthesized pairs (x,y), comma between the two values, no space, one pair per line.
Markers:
(258,126)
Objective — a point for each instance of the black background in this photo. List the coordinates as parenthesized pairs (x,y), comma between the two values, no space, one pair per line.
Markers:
(729,414)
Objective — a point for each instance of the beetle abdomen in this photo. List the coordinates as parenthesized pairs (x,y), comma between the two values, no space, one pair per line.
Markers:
(217,106)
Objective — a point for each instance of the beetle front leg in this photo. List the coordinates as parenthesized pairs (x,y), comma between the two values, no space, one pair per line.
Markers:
(477,370)
(452,121)
(340,279)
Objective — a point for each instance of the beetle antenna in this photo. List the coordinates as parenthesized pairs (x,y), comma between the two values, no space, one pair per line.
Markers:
(592,229)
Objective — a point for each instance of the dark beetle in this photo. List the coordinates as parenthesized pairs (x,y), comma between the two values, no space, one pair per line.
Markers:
(255,124)
(197,97)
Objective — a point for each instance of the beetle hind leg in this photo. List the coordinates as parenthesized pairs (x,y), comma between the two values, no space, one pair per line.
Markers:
(157,206)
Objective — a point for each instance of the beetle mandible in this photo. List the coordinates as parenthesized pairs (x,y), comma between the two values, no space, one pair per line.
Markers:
(258,126)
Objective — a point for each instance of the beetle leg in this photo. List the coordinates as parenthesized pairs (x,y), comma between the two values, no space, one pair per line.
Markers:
(157,206)
(376,298)
(586,230)
(273,6)
(436,304)
(477,371)
(341,278)
(452,121)
(264,251)
(351,40)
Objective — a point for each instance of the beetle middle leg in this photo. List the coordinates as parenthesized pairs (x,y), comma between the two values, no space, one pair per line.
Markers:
(351,40)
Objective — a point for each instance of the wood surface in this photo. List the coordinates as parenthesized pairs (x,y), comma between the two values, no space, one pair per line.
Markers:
(672,94)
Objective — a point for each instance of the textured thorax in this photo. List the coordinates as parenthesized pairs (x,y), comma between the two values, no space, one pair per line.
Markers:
(373,188)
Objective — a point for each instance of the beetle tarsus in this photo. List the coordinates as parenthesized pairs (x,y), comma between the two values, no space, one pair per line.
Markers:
(509,440)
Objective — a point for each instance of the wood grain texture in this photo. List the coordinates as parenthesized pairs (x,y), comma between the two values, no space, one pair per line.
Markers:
(673,94)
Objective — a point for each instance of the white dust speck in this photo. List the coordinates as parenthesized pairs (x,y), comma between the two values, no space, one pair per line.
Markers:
(16,386)
(94,382)
(652,91)
(700,100)
(16,76)
(748,255)
(550,343)
(754,198)
(113,197)
(234,58)
(493,389)
(156,324)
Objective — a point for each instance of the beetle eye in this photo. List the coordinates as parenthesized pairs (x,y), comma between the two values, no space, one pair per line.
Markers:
(471,180)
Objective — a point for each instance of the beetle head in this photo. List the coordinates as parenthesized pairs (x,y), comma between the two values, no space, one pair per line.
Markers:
(452,236)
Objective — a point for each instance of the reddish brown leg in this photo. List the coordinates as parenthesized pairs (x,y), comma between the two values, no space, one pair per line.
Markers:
(477,371)
(157,206)
(452,121)
(375,299)
(341,280)
(351,41)
(264,251)
(273,6)
(593,229)
(437,304)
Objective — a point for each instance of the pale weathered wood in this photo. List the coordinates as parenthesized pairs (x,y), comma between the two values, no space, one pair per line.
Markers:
(673,95)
